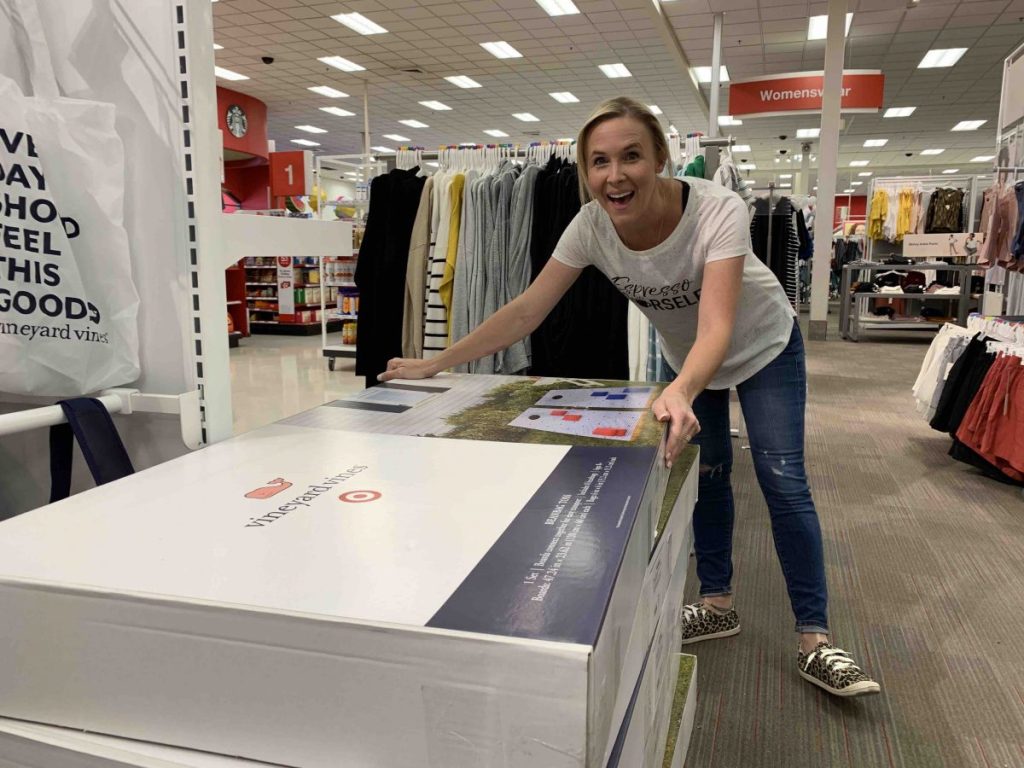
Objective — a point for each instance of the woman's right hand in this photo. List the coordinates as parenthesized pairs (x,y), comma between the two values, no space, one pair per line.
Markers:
(407,368)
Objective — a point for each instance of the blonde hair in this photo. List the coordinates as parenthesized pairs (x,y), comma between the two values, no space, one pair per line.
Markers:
(620,106)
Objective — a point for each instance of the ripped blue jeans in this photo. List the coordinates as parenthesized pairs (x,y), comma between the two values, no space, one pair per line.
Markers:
(773,402)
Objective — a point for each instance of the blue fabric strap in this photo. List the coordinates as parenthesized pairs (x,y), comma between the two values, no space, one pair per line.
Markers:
(89,422)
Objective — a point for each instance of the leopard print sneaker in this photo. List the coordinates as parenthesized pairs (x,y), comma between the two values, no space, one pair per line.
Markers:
(834,670)
(701,622)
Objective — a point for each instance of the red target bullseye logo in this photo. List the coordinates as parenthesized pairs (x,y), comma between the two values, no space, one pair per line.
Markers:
(359,497)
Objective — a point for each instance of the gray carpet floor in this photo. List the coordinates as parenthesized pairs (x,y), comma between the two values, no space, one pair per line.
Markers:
(925,563)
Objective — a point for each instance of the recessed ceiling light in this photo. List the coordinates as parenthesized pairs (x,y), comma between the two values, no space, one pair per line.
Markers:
(558,7)
(396,137)
(337,111)
(785,175)
(777,160)
(808,133)
(326,90)
(952,170)
(741,148)
(856,183)
(703,74)
(310,129)
(655,109)
(569,140)
(496,133)
(847,191)
(463,82)
(341,63)
(673,129)
(526,117)
(414,123)
(359,23)
(968,125)
(941,57)
(217,47)
(615,70)
(817,26)
(728,120)
(306,142)
(858,163)
(982,158)
(785,186)
(865,173)
(747,167)
(383,149)
(432,164)
(563,97)
(502,50)
(876,142)
(932,151)
(899,111)
(227,74)
(436,105)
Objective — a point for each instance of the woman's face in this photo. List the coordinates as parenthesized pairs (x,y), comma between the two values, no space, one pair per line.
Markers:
(622,170)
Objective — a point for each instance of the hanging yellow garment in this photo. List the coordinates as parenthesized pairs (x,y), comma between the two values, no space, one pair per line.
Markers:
(879,210)
(451,248)
(904,217)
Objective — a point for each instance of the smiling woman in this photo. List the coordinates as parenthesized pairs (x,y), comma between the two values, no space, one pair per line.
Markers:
(680,251)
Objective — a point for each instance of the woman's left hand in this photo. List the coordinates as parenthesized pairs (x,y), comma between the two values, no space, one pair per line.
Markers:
(674,407)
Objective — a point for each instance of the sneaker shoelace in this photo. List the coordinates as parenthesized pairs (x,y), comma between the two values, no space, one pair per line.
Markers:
(835,659)
(695,611)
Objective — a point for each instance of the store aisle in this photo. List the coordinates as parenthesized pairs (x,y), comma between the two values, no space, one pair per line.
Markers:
(273,377)
(926,579)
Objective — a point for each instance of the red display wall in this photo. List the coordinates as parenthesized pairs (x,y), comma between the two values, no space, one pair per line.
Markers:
(254,143)
(858,205)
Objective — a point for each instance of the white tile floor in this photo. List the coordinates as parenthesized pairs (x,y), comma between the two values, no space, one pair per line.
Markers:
(273,377)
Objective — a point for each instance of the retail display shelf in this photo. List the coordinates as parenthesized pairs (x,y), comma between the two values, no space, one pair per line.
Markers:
(233,303)
(261,298)
(266,284)
(902,324)
(340,285)
(913,295)
(295,329)
(265,266)
(339,350)
(344,317)
(262,309)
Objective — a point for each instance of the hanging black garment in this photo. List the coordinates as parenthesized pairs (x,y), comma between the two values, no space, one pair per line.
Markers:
(944,211)
(783,255)
(380,270)
(584,336)
(962,384)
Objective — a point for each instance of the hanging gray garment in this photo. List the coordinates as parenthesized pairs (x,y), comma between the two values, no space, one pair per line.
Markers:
(477,267)
(496,257)
(459,320)
(517,267)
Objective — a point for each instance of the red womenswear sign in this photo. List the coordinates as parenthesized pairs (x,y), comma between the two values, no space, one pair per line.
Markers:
(802,92)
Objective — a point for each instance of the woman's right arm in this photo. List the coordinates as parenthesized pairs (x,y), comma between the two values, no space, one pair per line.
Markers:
(516,320)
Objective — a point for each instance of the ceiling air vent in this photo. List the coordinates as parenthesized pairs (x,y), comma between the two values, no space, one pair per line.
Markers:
(411,70)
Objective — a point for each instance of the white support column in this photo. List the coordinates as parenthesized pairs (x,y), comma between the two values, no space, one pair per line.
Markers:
(716,68)
(828,160)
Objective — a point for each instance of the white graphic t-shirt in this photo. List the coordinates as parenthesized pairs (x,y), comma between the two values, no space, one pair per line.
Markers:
(665,281)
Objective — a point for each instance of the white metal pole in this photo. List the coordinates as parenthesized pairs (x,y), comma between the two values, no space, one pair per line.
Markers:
(828,160)
(716,66)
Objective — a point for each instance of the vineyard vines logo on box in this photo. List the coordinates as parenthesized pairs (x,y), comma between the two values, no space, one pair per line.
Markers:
(311,493)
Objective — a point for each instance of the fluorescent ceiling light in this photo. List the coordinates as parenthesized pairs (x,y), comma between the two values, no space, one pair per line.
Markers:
(655,109)
(432,164)
(847,191)
(326,90)
(876,142)
(747,167)
(558,7)
(858,163)
(227,74)
(526,117)
(436,105)
(414,123)
(932,151)
(968,125)
(785,186)
(310,129)
(306,142)
(941,57)
(496,133)
(341,63)
(463,82)
(337,111)
(565,141)
(899,111)
(952,170)
(856,183)
(217,47)
(502,50)
(728,120)
(615,70)
(383,149)
(563,97)
(982,158)
(785,175)
(359,23)
(817,26)
(865,173)
(704,74)
(808,133)
(741,148)
(396,137)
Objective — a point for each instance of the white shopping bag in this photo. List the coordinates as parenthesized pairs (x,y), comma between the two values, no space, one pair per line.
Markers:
(68,306)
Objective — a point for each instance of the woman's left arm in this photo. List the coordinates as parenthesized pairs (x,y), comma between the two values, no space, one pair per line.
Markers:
(716,316)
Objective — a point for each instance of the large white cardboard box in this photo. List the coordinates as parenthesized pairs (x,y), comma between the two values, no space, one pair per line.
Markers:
(324,598)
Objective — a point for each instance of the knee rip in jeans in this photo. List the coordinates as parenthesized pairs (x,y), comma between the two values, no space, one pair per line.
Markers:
(713,472)
(778,464)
